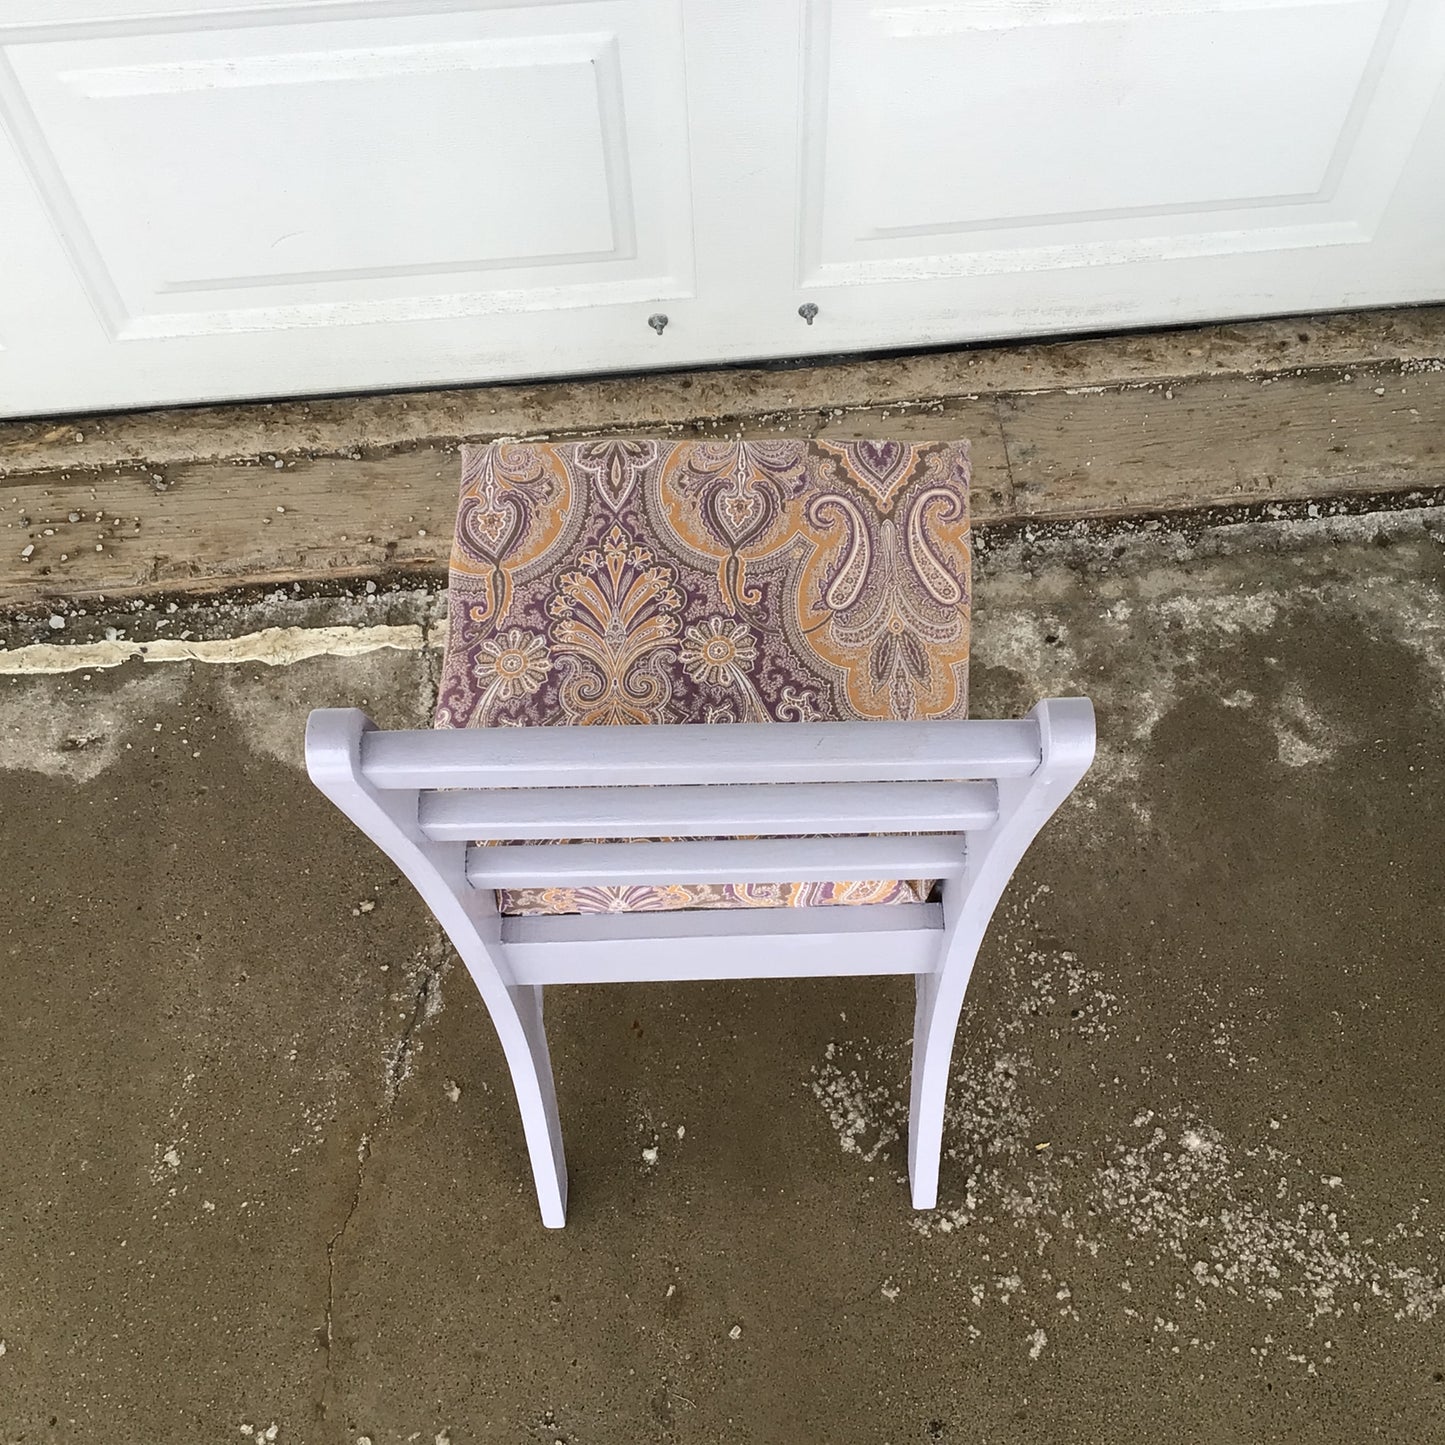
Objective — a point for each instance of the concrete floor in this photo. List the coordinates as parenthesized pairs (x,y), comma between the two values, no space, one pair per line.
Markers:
(263,1176)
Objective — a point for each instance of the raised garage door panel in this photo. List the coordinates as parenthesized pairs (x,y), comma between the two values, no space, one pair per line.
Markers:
(977,136)
(202,202)
(1141,92)
(346,172)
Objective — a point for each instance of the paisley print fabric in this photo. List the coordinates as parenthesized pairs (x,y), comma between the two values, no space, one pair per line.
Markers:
(637,581)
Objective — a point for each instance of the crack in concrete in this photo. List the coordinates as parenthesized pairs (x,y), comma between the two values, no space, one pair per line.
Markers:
(428,988)
(425,1001)
(363,1153)
(434,632)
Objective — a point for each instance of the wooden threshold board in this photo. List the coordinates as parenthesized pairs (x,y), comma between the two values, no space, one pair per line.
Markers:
(1049,455)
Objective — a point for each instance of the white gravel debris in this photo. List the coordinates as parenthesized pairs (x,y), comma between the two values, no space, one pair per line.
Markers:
(1227,1220)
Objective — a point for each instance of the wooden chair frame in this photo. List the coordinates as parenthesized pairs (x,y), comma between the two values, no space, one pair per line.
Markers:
(956,801)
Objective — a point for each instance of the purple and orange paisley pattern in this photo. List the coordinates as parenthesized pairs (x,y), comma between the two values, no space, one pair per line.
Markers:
(638,581)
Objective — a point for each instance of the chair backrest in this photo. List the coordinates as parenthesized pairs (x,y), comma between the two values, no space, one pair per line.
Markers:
(741,803)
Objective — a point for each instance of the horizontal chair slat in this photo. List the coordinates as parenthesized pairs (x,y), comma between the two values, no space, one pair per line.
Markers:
(700,812)
(734,860)
(739,943)
(699,753)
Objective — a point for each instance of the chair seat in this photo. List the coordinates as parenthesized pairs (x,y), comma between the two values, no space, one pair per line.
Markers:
(635,581)
(672,897)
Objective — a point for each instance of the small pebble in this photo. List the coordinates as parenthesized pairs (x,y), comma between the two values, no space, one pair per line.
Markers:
(56,622)
(736,1333)
(1379,391)
(27,550)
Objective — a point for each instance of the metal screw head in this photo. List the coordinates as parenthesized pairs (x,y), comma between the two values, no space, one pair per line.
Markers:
(808,311)
(658,322)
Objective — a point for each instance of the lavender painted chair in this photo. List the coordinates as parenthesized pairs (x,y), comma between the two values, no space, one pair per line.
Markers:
(824,585)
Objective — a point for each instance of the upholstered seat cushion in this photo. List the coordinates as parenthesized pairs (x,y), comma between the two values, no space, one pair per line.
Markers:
(636,581)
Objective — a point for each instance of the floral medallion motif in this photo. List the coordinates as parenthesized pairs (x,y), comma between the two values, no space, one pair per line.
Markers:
(510,665)
(612,615)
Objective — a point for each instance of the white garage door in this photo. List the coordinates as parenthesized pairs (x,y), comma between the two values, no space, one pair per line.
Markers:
(202,200)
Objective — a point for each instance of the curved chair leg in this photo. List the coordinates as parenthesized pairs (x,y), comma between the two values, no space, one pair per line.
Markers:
(531,1068)
(1066,731)
(928,1095)
(469,915)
